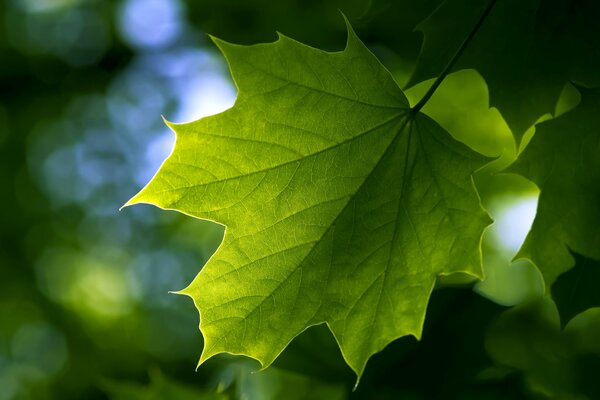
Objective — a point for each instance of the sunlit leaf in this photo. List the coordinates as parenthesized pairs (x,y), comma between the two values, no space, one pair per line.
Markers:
(160,388)
(342,205)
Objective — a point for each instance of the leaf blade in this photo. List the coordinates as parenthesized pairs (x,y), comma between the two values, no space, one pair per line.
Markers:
(342,206)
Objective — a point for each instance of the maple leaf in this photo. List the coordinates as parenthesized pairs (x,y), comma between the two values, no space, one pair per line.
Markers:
(562,160)
(342,205)
(526,50)
(577,289)
(527,339)
(240,379)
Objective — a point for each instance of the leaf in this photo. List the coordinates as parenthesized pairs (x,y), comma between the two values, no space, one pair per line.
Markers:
(342,206)
(526,50)
(554,363)
(562,160)
(583,331)
(251,21)
(577,289)
(527,339)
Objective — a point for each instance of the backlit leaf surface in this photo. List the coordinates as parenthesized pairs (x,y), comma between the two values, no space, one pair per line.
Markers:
(342,206)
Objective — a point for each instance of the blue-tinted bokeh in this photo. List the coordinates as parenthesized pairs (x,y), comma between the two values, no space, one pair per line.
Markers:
(89,280)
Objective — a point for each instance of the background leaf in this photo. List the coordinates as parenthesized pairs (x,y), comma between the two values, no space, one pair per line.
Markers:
(553,363)
(542,45)
(576,290)
(562,160)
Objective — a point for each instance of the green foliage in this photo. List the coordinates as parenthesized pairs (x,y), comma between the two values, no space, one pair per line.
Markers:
(237,380)
(84,309)
(526,51)
(562,159)
(343,206)
(576,290)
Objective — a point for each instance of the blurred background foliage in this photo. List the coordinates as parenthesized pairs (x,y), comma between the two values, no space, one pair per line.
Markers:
(85,311)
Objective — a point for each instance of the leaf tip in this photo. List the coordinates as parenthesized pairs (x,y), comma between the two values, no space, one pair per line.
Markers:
(171,125)
(132,201)
(352,37)
(359,373)
(182,292)
(223,45)
(356,383)
(140,198)
(214,39)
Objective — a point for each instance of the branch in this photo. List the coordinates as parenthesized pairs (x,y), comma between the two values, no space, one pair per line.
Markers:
(454,58)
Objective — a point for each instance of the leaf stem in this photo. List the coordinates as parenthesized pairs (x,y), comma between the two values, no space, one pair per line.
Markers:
(454,58)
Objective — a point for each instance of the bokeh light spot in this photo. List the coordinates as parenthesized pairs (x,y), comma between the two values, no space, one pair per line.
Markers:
(513,222)
(150,23)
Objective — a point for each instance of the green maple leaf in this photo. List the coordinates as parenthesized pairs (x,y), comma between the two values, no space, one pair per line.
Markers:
(562,159)
(342,205)
(577,289)
(526,50)
(527,339)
